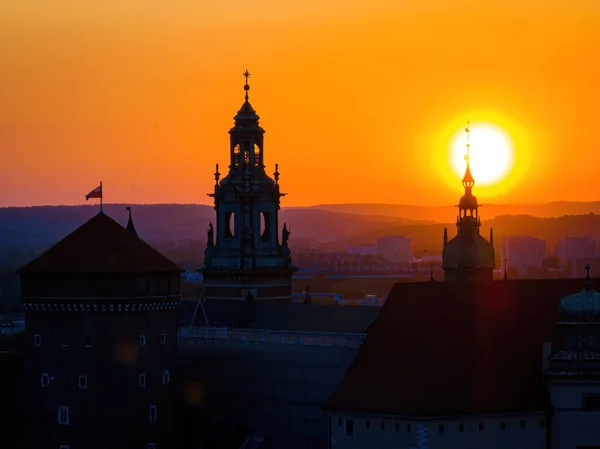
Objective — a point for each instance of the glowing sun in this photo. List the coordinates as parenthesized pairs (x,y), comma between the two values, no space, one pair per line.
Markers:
(491,153)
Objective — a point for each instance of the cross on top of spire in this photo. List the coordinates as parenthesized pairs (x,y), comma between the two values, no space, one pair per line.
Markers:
(246,75)
(468,180)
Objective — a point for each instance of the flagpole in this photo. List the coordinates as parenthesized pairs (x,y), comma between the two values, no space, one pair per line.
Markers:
(101,195)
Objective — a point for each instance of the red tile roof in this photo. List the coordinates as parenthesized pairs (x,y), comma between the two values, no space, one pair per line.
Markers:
(100,246)
(446,349)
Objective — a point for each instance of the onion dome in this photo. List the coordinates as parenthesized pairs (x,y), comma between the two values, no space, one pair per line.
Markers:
(583,306)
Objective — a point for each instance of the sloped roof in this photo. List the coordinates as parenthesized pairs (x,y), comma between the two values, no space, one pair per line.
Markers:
(100,246)
(443,348)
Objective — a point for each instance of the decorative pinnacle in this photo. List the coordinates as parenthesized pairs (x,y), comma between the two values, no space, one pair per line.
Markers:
(217,174)
(588,279)
(246,75)
(468,180)
(276,174)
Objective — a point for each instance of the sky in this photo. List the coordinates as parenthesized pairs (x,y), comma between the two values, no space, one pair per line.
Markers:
(360,99)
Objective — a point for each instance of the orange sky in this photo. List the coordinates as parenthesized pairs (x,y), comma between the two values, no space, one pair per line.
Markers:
(358,98)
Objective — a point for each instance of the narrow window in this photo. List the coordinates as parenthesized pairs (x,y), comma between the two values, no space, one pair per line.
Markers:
(368,425)
(163,339)
(481,426)
(142,340)
(229,225)
(83,382)
(256,156)
(246,157)
(461,427)
(236,156)
(408,428)
(63,415)
(397,427)
(152,415)
(441,428)
(88,341)
(142,380)
(45,381)
(340,422)
(503,425)
(349,427)
(166,377)
(522,424)
(37,340)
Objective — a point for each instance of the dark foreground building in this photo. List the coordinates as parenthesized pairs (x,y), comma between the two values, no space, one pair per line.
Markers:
(101,340)
(476,365)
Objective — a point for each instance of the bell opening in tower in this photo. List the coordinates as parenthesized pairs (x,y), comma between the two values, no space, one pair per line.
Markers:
(265,229)
(256,156)
(229,225)
(236,156)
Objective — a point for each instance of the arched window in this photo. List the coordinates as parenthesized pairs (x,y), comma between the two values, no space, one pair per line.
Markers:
(257,160)
(236,156)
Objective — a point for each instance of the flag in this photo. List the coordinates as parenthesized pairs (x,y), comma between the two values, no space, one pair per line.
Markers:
(96,193)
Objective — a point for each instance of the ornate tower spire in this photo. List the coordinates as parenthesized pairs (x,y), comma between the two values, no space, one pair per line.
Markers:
(468,181)
(244,244)
(468,256)
(246,75)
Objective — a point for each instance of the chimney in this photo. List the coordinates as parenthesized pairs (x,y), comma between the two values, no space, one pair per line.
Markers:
(546,353)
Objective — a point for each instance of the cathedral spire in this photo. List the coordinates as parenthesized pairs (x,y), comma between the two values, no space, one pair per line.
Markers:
(468,181)
(246,75)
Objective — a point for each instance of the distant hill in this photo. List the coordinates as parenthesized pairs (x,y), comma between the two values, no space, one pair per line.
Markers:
(445,213)
(429,237)
(26,231)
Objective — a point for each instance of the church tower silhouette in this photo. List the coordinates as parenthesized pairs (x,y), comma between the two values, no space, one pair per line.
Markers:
(468,256)
(246,260)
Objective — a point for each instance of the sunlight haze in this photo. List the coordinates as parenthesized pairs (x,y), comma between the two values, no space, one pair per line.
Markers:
(360,100)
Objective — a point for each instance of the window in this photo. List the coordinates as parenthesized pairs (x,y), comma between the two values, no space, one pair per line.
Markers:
(503,425)
(163,339)
(166,377)
(142,380)
(382,425)
(441,428)
(88,341)
(45,380)
(522,424)
(368,424)
(408,428)
(339,422)
(480,426)
(152,415)
(142,340)
(83,382)
(63,415)
(461,427)
(349,428)
(37,340)
(397,427)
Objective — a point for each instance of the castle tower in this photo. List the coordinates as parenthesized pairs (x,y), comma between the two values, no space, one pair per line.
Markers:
(468,256)
(246,259)
(101,328)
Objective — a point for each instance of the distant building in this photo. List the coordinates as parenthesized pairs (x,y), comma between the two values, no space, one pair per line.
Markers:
(101,340)
(468,256)
(522,252)
(572,249)
(246,259)
(395,248)
(363,250)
